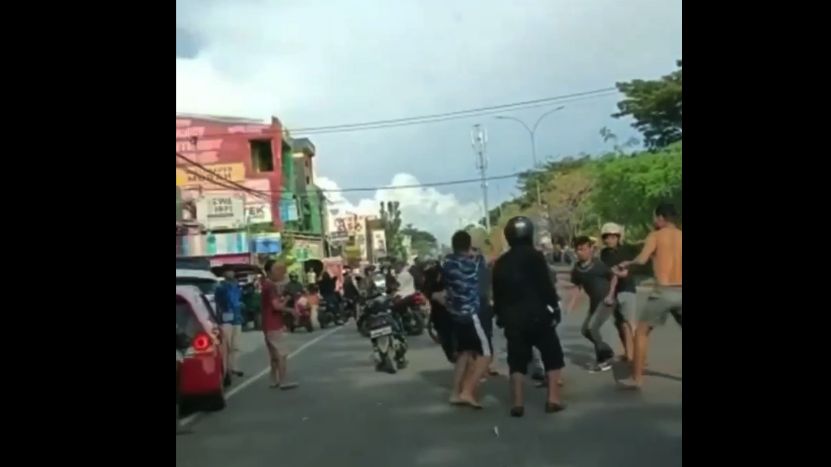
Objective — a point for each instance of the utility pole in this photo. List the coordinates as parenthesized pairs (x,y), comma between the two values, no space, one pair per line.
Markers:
(479,140)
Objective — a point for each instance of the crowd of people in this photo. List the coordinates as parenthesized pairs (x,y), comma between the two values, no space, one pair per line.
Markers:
(516,292)
(519,293)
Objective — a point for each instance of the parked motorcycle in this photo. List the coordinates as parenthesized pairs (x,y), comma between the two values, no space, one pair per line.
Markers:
(413,313)
(301,316)
(386,333)
(328,313)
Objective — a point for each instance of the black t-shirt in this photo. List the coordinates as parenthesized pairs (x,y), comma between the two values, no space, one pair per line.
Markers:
(613,257)
(595,278)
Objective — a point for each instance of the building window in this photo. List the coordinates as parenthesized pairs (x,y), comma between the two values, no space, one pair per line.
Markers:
(308,180)
(308,163)
(262,159)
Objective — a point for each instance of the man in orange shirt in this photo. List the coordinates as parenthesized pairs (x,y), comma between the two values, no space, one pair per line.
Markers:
(664,245)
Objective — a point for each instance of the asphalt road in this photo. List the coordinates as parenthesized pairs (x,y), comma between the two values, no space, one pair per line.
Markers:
(346,414)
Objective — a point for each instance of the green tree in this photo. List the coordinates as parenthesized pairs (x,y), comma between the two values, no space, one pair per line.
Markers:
(423,242)
(656,107)
(628,188)
(391,220)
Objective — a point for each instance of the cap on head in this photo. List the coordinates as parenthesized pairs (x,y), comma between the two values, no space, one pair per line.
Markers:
(610,228)
(519,231)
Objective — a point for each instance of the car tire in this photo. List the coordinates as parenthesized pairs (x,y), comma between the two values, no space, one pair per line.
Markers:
(216,401)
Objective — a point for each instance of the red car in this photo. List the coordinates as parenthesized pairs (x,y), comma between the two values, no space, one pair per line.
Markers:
(204,374)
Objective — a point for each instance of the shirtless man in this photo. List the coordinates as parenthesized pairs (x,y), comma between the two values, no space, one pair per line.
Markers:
(665,244)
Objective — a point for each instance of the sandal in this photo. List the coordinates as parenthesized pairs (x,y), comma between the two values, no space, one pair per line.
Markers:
(553,407)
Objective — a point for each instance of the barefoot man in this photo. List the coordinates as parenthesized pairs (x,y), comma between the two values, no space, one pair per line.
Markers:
(665,244)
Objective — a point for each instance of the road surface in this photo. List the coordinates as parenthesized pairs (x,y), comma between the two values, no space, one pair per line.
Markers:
(346,414)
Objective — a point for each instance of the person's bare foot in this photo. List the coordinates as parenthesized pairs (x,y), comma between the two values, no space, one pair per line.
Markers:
(629,384)
(469,401)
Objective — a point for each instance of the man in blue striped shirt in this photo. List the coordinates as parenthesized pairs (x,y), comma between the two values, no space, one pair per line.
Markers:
(462,273)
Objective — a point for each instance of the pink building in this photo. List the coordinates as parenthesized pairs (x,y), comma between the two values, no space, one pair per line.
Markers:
(247,152)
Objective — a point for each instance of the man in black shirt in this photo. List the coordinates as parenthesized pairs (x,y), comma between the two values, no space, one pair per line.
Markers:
(626,295)
(598,281)
(527,306)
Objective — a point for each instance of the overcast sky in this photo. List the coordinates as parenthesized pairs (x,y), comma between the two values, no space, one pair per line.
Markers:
(325,62)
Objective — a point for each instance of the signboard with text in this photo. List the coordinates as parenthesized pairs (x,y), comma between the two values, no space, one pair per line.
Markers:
(196,176)
(221,211)
(256,213)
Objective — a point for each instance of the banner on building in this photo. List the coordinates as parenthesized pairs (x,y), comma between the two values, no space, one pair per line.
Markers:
(197,177)
(258,213)
(234,243)
(379,243)
(221,211)
(288,210)
(304,250)
(267,243)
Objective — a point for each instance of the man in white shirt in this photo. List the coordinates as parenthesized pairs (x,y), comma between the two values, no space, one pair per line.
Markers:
(406,282)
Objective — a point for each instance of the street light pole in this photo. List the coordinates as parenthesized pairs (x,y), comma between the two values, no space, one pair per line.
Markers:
(479,140)
(532,132)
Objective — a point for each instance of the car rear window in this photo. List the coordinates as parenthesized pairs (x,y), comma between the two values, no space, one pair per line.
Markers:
(206,286)
(186,322)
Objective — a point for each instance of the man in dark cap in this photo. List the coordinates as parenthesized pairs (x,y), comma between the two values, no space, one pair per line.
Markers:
(527,306)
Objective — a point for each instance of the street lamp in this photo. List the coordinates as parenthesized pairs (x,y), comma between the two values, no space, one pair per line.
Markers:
(532,131)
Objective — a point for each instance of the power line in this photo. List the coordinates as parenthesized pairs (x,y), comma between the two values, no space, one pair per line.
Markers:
(433,118)
(215,178)
(458,114)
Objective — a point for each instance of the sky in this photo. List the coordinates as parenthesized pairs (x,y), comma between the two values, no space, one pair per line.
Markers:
(326,62)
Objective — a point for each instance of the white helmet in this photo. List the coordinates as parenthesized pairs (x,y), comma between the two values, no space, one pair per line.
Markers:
(610,228)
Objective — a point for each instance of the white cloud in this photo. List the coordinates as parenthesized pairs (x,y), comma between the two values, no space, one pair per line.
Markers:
(425,208)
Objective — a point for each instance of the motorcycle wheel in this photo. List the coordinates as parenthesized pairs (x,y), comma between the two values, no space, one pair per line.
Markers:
(416,324)
(363,328)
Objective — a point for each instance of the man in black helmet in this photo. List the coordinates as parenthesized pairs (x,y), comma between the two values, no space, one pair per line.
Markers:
(527,306)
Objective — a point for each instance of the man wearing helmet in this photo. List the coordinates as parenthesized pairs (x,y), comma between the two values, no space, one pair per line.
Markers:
(527,307)
(626,294)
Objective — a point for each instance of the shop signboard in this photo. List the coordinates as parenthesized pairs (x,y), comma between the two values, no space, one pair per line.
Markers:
(221,211)
(267,243)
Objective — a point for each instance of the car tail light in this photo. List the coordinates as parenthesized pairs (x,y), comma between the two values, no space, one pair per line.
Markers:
(202,342)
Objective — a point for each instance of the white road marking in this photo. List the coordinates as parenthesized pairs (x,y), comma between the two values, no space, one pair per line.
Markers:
(248,382)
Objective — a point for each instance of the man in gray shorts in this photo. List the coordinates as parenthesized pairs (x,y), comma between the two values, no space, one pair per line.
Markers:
(664,247)
(626,294)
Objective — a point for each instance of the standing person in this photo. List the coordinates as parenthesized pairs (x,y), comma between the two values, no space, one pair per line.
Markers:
(441,329)
(665,244)
(626,295)
(598,281)
(228,297)
(461,276)
(528,308)
(273,306)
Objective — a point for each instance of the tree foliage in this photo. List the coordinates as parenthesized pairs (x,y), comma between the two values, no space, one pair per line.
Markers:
(656,107)
(628,188)
(391,220)
(422,242)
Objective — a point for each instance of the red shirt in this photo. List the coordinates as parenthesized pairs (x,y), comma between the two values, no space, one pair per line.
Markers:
(272,318)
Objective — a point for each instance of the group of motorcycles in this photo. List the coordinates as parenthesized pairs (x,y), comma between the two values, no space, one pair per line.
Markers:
(379,313)
(386,320)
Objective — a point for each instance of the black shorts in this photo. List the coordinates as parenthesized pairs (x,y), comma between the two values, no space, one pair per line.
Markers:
(544,338)
(443,326)
(471,337)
